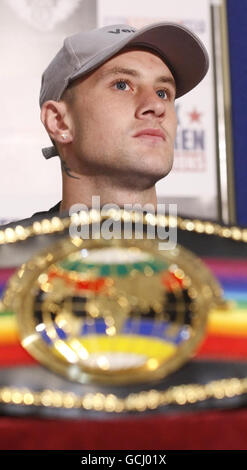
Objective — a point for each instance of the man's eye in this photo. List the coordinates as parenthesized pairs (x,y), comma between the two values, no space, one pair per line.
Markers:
(121,85)
(162,94)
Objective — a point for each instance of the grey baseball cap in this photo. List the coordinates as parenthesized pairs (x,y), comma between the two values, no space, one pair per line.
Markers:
(82,53)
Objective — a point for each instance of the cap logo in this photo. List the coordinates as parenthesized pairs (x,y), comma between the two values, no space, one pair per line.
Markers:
(118,30)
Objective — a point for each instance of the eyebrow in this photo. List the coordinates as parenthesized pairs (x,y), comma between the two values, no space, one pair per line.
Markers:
(133,73)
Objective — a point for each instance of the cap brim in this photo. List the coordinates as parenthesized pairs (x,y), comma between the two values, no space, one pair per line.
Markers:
(183,53)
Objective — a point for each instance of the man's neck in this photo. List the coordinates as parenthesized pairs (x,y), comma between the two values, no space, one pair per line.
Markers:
(84,189)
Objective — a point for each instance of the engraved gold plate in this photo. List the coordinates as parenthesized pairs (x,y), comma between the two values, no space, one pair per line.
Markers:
(115,311)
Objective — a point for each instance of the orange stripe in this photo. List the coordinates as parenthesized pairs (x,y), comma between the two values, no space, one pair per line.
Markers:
(213,347)
(232,322)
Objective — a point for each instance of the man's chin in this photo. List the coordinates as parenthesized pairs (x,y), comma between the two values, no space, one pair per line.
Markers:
(157,170)
(144,179)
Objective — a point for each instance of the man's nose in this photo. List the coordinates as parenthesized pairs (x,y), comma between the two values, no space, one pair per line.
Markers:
(149,104)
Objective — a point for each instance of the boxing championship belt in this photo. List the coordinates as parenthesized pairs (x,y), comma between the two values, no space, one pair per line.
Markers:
(101,313)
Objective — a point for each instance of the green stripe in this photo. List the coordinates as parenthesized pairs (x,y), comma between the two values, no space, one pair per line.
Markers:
(241,304)
(122,269)
(6,313)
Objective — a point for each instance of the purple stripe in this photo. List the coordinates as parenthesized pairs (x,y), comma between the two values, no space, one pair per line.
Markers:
(227,268)
(6,273)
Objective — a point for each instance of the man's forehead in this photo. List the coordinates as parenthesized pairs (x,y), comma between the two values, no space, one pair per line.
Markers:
(134,61)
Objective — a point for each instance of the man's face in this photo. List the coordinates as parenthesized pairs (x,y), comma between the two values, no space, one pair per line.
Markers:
(131,93)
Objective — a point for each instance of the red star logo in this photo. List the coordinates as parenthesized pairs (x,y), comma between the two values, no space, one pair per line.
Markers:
(195,116)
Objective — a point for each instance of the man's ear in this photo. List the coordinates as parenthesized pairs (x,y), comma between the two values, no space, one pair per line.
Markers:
(57,121)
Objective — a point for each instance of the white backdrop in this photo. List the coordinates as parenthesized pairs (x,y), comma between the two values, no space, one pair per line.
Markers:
(28,42)
(29,38)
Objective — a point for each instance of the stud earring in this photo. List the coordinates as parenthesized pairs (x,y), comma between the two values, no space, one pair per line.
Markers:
(64,136)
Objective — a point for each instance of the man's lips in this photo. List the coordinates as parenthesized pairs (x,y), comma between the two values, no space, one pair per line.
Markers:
(158,133)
